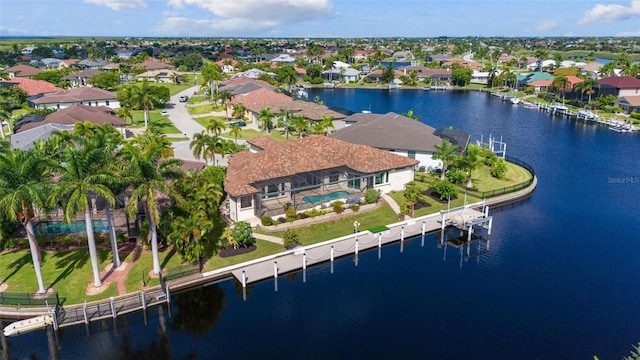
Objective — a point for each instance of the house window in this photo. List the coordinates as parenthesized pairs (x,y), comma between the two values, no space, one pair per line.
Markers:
(333,178)
(353,183)
(107,102)
(245,202)
(273,190)
(411,154)
(381,178)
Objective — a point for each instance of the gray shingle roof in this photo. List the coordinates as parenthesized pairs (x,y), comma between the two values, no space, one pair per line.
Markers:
(388,131)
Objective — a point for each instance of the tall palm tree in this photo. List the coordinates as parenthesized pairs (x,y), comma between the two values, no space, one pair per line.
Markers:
(238,111)
(266,120)
(471,161)
(204,146)
(225,96)
(24,185)
(447,153)
(327,123)
(288,76)
(236,131)
(300,124)
(144,98)
(150,172)
(82,175)
(561,83)
(588,86)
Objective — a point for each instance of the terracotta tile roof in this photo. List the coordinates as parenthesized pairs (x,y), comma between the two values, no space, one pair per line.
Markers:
(262,98)
(79,113)
(190,165)
(155,65)
(23,70)
(34,87)
(621,82)
(541,83)
(305,155)
(244,87)
(631,100)
(75,96)
(222,62)
(573,80)
(263,142)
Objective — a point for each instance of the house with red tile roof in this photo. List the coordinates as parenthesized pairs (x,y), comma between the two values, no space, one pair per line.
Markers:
(23,71)
(73,114)
(259,99)
(91,96)
(628,104)
(620,86)
(155,65)
(227,65)
(307,173)
(34,87)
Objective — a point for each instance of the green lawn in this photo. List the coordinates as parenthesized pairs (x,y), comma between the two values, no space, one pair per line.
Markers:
(264,248)
(205,120)
(204,109)
(155,119)
(168,259)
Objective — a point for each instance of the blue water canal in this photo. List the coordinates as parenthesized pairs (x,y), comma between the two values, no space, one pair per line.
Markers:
(560,280)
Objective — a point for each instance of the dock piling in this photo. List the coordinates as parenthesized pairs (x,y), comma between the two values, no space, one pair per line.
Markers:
(275,269)
(356,246)
(84,311)
(113,307)
(244,279)
(304,262)
(143,301)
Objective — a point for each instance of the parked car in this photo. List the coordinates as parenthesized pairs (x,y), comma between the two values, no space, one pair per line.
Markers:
(237,123)
(164,113)
(184,98)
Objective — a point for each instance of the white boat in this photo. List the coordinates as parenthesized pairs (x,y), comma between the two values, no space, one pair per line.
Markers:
(514,100)
(529,105)
(27,325)
(620,128)
(586,114)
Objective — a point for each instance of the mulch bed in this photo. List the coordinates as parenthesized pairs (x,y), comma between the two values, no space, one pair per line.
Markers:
(436,197)
(230,251)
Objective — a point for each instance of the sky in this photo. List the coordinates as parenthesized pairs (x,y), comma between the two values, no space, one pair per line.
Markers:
(319,18)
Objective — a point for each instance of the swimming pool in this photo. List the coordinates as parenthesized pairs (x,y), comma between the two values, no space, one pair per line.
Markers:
(319,198)
(62,228)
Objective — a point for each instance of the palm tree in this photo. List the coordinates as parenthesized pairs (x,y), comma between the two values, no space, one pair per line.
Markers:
(24,185)
(236,131)
(84,173)
(288,76)
(300,124)
(225,96)
(204,146)
(125,113)
(238,111)
(144,98)
(211,76)
(150,172)
(470,161)
(327,123)
(285,115)
(216,126)
(447,153)
(561,83)
(411,115)
(266,120)
(588,86)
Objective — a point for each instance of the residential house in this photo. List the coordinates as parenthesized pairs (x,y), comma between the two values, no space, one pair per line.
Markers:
(306,173)
(619,86)
(403,56)
(480,77)
(50,63)
(81,77)
(628,104)
(473,65)
(90,64)
(27,131)
(427,74)
(591,69)
(529,78)
(153,64)
(22,71)
(160,76)
(227,66)
(341,73)
(259,99)
(33,87)
(244,85)
(91,96)
(67,63)
(393,133)
(253,73)
(283,59)
(439,58)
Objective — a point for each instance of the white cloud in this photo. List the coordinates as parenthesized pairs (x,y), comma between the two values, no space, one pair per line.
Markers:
(628,33)
(547,26)
(9,31)
(119,4)
(249,16)
(610,13)
(209,27)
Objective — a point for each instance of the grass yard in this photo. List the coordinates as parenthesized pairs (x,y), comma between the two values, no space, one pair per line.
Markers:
(204,109)
(143,266)
(205,120)
(319,232)
(264,248)
(155,119)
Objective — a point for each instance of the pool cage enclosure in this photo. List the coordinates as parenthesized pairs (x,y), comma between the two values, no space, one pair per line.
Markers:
(299,190)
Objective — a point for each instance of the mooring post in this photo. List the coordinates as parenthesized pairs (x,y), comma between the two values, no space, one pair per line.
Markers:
(84,310)
(486,211)
(356,246)
(113,306)
(304,261)
(275,269)
(423,228)
(168,296)
(402,234)
(143,301)
(54,314)
(332,253)
(470,231)
(443,219)
(490,225)
(244,279)
(379,240)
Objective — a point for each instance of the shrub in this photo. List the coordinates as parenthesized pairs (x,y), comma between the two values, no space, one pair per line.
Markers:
(444,189)
(355,207)
(120,238)
(313,212)
(266,221)
(337,207)
(499,168)
(456,176)
(243,234)
(281,220)
(290,213)
(291,239)
(371,196)
(9,243)
(301,216)
(635,115)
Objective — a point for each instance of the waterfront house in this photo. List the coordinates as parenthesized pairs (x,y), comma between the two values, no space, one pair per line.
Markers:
(259,99)
(81,77)
(84,96)
(161,76)
(393,133)
(32,87)
(628,104)
(619,86)
(307,173)
(439,58)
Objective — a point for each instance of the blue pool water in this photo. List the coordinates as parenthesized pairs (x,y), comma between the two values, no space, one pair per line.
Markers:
(62,228)
(319,198)
(560,280)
